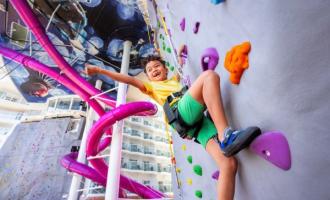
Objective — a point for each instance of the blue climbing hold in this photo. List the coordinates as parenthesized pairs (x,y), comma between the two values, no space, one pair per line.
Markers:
(215,2)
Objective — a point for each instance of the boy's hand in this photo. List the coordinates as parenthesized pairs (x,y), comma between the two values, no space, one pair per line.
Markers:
(91,69)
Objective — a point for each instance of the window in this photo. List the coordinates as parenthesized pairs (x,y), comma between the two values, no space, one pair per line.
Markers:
(147,123)
(134,147)
(18,35)
(76,104)
(51,104)
(135,119)
(134,164)
(63,104)
(146,135)
(146,183)
(135,132)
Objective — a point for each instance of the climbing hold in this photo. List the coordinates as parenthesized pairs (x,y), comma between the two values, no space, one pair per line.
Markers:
(167,64)
(183,54)
(178,170)
(172,68)
(273,147)
(168,50)
(173,160)
(215,2)
(179,183)
(184,147)
(196,28)
(161,36)
(183,24)
(215,175)
(189,181)
(210,58)
(189,158)
(237,61)
(183,51)
(199,194)
(198,170)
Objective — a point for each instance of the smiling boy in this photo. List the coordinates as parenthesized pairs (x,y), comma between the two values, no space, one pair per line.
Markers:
(188,106)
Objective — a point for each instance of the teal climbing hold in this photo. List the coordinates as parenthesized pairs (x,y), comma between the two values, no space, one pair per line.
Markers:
(168,50)
(198,170)
(199,194)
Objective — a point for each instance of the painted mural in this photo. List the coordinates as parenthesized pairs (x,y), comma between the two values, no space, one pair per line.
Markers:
(86,32)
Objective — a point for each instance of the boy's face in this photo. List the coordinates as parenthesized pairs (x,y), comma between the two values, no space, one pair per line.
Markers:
(156,71)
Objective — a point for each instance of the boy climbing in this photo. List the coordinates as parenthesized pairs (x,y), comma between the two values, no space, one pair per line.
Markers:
(185,112)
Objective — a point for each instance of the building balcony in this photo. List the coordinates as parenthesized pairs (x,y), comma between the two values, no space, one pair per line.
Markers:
(147,151)
(145,136)
(139,167)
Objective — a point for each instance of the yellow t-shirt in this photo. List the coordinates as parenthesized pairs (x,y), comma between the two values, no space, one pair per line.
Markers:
(160,90)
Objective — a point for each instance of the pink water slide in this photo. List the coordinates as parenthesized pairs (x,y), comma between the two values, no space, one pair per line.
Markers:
(81,87)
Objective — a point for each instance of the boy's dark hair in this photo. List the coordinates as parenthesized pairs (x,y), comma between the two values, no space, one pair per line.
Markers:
(146,60)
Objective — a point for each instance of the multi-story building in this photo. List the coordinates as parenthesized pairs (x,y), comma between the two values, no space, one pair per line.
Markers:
(146,153)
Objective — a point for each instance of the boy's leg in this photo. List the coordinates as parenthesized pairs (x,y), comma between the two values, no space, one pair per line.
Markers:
(206,90)
(227,167)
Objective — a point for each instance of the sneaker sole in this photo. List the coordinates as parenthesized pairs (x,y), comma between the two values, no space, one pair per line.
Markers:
(243,142)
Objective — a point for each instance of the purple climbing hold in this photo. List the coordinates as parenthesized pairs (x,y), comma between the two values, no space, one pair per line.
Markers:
(183,24)
(210,58)
(273,147)
(215,175)
(169,32)
(196,28)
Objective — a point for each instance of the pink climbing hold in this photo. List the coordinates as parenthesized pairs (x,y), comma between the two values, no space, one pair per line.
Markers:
(210,59)
(196,28)
(183,24)
(215,175)
(273,147)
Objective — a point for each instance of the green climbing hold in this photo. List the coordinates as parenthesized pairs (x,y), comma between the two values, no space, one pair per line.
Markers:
(198,170)
(167,64)
(161,36)
(168,50)
(199,194)
(189,158)
(172,68)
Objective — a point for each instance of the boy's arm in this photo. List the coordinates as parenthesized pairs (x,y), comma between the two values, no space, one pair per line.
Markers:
(92,69)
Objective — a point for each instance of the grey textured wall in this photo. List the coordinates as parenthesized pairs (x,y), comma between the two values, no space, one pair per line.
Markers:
(286,88)
(30,161)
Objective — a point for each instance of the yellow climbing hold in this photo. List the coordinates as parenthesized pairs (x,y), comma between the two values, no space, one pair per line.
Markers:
(178,170)
(184,147)
(189,181)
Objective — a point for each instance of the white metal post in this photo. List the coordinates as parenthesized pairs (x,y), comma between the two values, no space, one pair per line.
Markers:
(112,189)
(76,179)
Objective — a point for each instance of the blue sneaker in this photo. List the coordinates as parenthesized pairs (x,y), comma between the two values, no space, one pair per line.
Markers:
(235,141)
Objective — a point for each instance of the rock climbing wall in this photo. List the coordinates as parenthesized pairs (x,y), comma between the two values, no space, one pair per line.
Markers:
(30,160)
(285,88)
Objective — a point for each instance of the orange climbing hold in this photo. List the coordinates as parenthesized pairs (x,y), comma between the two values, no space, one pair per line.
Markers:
(237,61)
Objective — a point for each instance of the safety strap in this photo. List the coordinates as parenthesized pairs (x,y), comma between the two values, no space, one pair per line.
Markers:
(174,118)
